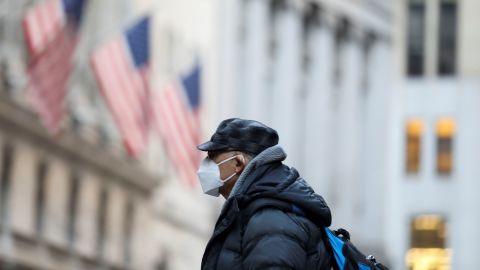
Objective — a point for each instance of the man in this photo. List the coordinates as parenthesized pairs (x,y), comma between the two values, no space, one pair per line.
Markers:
(244,165)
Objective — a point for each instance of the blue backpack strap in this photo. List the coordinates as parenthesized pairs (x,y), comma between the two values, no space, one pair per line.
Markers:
(336,245)
(346,255)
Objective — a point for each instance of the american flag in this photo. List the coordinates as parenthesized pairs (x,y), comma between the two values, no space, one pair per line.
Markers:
(50,30)
(177,120)
(121,67)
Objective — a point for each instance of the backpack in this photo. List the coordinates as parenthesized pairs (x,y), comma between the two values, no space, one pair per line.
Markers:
(345,256)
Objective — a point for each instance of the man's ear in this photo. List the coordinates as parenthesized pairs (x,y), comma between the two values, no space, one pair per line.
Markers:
(240,164)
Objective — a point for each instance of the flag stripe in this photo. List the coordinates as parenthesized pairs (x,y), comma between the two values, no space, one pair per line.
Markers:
(178,111)
(41,24)
(119,74)
(172,142)
(125,90)
(176,148)
(126,76)
(178,131)
(48,77)
(125,87)
(51,42)
(180,114)
(121,112)
(176,119)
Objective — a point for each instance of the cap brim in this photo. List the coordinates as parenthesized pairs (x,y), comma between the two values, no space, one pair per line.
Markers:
(211,146)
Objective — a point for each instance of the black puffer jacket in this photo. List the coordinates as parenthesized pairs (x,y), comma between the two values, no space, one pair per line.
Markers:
(272,238)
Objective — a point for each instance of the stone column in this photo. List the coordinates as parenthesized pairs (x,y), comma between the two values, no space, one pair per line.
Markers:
(231,40)
(317,144)
(254,95)
(286,79)
(348,128)
(374,142)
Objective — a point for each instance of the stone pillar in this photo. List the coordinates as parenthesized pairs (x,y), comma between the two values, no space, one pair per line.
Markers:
(230,70)
(318,109)
(114,244)
(348,128)
(86,226)
(254,97)
(374,143)
(286,80)
(7,251)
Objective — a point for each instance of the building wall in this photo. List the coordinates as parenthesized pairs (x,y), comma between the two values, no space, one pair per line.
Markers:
(25,243)
(283,64)
(427,192)
(183,31)
(23,198)
(345,129)
(429,98)
(468,37)
(168,224)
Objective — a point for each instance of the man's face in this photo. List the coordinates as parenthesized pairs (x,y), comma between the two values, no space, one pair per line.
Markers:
(233,166)
(227,168)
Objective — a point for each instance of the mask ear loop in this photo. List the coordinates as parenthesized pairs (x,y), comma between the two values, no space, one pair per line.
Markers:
(228,178)
(226,160)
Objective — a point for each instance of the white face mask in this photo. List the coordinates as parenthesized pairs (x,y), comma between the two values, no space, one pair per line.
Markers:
(209,175)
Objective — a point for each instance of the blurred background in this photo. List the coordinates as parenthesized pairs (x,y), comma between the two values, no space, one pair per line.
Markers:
(102,103)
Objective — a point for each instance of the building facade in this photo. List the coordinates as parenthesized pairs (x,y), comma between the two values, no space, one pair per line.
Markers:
(66,203)
(318,72)
(434,130)
(376,105)
(76,200)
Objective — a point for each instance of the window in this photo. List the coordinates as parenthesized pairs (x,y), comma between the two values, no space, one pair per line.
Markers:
(445,133)
(72,208)
(428,250)
(367,46)
(416,38)
(414,131)
(275,10)
(101,222)
(7,162)
(447,42)
(341,38)
(442,36)
(40,197)
(5,81)
(311,20)
(128,232)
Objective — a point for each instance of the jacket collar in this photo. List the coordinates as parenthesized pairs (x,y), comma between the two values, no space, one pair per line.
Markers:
(269,155)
